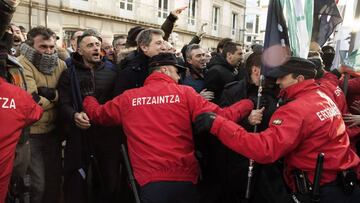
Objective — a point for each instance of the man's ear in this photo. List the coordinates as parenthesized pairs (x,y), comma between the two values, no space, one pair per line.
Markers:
(80,51)
(300,78)
(163,69)
(144,48)
(228,56)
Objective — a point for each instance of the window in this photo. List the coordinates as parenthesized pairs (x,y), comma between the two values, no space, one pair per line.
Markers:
(216,16)
(126,5)
(248,38)
(163,8)
(250,23)
(234,24)
(192,11)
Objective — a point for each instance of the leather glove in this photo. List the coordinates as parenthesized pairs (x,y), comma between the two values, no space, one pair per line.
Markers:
(263,101)
(48,93)
(35,97)
(87,88)
(203,122)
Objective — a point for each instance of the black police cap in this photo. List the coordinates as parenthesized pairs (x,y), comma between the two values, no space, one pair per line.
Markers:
(294,65)
(164,59)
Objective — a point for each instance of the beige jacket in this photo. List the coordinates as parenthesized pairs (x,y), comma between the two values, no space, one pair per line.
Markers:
(35,79)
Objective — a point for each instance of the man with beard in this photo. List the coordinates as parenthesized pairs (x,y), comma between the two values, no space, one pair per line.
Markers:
(223,69)
(42,69)
(92,160)
(18,39)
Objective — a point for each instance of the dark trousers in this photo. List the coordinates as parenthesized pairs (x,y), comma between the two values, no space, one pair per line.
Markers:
(45,168)
(168,192)
(333,193)
(98,181)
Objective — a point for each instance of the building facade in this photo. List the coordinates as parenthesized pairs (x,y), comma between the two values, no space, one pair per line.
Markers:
(255,21)
(219,18)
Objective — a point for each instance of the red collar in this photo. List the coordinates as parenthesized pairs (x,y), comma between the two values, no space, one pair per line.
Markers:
(156,77)
(294,91)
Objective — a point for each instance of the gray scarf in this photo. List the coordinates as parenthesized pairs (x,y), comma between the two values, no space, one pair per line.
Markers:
(45,63)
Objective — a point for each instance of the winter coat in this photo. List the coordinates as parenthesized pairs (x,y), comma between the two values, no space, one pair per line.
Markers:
(309,123)
(219,73)
(157,121)
(17,110)
(35,79)
(70,102)
(132,72)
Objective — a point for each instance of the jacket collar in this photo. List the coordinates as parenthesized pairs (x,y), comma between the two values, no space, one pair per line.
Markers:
(78,61)
(158,77)
(220,60)
(296,90)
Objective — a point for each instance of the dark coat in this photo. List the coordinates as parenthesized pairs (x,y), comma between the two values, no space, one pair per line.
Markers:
(70,102)
(219,73)
(232,166)
(131,72)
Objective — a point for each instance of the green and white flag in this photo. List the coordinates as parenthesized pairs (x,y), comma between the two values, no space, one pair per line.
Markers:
(299,20)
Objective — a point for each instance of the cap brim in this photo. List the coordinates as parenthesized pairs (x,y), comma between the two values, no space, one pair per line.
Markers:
(180,68)
(276,73)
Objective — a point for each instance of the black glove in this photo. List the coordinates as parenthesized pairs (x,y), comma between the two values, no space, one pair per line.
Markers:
(263,101)
(336,73)
(48,93)
(87,88)
(35,97)
(3,63)
(203,122)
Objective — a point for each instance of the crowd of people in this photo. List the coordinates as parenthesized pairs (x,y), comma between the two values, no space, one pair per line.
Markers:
(193,121)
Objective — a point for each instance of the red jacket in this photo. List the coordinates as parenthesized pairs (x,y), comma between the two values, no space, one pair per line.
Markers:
(329,84)
(298,131)
(17,110)
(157,121)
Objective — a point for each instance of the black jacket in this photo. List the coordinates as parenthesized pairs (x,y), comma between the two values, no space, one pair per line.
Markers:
(70,102)
(219,73)
(235,166)
(131,72)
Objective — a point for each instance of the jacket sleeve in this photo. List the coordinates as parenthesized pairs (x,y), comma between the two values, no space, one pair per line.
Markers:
(212,81)
(353,85)
(6,13)
(235,112)
(32,88)
(168,26)
(66,108)
(331,78)
(123,81)
(195,40)
(265,147)
(32,110)
(108,114)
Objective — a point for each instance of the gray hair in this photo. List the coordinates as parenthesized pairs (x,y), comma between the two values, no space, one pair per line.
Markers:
(144,37)
(190,48)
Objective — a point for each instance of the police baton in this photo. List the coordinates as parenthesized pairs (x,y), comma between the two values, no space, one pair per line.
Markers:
(252,162)
(315,195)
(130,173)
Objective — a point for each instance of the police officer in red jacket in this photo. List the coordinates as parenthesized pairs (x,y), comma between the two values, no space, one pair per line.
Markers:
(308,123)
(157,120)
(17,110)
